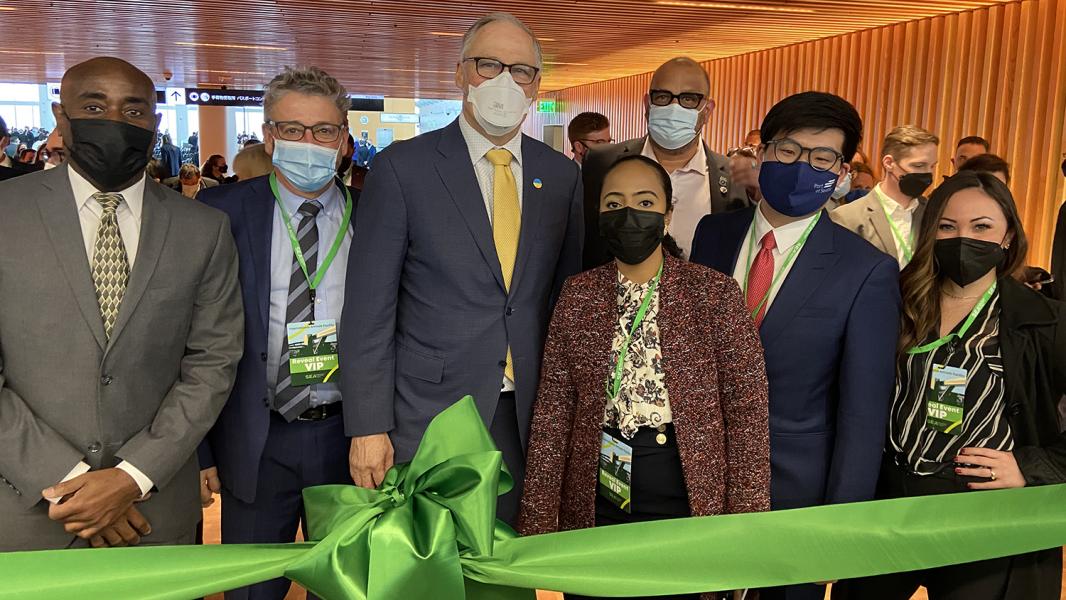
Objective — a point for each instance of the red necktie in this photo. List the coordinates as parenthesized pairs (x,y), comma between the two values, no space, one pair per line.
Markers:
(761,276)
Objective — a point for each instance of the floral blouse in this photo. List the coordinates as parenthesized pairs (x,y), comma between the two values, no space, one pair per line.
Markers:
(642,399)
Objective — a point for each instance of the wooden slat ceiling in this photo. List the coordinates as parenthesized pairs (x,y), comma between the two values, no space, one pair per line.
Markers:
(409,47)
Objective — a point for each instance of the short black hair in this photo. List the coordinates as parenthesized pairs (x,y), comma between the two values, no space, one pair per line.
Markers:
(584,124)
(987,163)
(814,110)
(3,129)
(974,139)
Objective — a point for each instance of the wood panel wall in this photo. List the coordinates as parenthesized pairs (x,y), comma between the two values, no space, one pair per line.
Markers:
(998,72)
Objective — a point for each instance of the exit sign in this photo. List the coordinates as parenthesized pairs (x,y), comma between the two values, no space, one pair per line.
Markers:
(547,106)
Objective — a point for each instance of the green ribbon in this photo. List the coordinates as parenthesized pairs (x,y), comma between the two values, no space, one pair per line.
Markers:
(430,532)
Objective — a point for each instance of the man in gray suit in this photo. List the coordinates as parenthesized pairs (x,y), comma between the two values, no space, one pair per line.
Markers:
(677,107)
(463,236)
(120,329)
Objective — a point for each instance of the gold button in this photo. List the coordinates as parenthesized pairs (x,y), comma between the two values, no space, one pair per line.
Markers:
(662,428)
(661,439)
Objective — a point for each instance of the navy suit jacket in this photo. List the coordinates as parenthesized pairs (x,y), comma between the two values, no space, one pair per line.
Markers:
(235,444)
(830,342)
(426,316)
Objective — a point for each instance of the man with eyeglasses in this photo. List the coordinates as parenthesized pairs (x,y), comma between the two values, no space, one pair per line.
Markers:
(827,307)
(677,107)
(586,131)
(464,235)
(281,429)
(891,214)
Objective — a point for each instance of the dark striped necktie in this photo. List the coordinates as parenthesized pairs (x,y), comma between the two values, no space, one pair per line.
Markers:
(288,400)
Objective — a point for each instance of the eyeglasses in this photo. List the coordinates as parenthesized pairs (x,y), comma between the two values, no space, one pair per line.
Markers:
(788,151)
(685,99)
(490,68)
(293,131)
(592,142)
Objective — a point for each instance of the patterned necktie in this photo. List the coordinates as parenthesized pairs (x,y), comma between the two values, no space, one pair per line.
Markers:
(506,223)
(761,277)
(111,267)
(291,401)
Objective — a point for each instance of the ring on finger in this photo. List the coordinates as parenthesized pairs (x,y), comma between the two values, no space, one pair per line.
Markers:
(991,474)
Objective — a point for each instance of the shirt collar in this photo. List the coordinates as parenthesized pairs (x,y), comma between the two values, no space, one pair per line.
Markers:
(133,196)
(331,200)
(786,235)
(698,164)
(479,145)
(894,207)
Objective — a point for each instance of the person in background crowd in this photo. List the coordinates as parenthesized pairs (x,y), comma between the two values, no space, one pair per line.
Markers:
(251,141)
(967,148)
(169,157)
(443,298)
(827,307)
(686,409)
(588,130)
(988,163)
(190,151)
(744,171)
(677,107)
(9,168)
(154,170)
(111,442)
(982,364)
(359,176)
(281,430)
(53,145)
(252,162)
(365,151)
(216,168)
(344,170)
(862,178)
(753,139)
(28,156)
(889,215)
(189,182)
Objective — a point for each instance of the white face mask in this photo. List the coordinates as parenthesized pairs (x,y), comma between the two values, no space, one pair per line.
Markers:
(672,126)
(843,188)
(499,104)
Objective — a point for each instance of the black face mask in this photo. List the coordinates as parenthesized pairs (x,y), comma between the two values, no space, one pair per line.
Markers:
(631,234)
(965,260)
(111,153)
(346,163)
(914,185)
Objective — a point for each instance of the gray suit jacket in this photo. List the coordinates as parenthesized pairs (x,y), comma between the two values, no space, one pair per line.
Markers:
(147,395)
(426,317)
(866,217)
(724,198)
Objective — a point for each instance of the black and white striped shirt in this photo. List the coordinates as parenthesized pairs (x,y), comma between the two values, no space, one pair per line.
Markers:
(984,423)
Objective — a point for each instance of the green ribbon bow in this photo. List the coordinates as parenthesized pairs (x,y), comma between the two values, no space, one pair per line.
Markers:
(430,532)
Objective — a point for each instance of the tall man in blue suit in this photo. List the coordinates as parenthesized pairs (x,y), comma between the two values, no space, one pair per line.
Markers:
(827,305)
(463,236)
(282,430)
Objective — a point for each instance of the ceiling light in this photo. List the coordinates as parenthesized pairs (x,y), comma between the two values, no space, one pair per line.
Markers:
(237,46)
(734,6)
(8,8)
(30,52)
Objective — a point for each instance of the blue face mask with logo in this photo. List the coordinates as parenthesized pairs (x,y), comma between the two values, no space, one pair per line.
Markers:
(795,189)
(309,167)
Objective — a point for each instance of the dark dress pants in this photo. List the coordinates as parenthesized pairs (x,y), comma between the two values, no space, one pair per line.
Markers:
(504,432)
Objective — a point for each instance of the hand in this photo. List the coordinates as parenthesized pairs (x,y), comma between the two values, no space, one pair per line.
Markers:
(126,531)
(997,466)
(92,501)
(370,457)
(209,485)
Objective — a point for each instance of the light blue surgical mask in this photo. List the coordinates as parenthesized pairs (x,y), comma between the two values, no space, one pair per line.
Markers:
(309,167)
(672,126)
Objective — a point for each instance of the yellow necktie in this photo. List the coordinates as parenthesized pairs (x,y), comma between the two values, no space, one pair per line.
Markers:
(506,222)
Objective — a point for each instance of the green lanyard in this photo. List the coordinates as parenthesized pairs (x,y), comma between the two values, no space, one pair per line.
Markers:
(324,265)
(962,330)
(903,243)
(788,260)
(612,392)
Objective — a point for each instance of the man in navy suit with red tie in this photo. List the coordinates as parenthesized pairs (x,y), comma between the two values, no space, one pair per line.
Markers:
(827,306)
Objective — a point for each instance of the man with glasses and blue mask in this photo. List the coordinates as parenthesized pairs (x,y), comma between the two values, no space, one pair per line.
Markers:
(827,307)
(677,106)
(282,430)
(464,236)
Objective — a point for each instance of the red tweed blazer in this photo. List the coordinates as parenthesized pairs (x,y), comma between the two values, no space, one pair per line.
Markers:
(718,395)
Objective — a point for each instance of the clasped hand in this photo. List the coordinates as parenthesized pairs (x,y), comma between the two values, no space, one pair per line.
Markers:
(98,506)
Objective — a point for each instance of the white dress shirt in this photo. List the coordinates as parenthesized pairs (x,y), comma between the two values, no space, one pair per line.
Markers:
(903,218)
(128,214)
(692,196)
(478,146)
(786,237)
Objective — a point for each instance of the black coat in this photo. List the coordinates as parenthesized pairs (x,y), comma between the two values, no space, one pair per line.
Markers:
(1033,343)
(1058,255)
